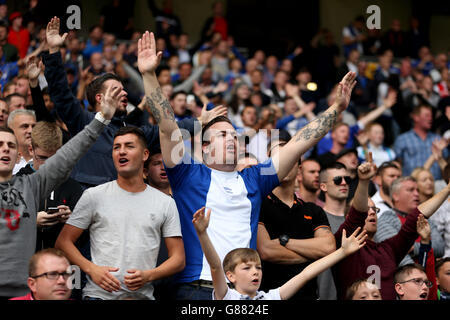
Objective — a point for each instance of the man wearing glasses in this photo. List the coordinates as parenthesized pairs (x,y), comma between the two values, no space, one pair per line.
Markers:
(48,276)
(411,283)
(377,261)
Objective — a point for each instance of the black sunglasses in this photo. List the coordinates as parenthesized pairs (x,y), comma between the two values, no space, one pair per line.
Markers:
(338,180)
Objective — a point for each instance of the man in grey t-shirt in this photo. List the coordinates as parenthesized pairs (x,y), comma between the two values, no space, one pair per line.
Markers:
(126,219)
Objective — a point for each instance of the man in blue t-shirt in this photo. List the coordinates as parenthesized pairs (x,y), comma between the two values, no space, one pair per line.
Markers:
(234,196)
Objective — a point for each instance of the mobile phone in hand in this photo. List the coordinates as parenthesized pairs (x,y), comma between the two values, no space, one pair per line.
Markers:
(51,210)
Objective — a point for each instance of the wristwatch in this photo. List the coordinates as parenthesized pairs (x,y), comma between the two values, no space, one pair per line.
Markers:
(284,239)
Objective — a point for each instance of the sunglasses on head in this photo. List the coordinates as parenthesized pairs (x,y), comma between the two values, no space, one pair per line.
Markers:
(338,180)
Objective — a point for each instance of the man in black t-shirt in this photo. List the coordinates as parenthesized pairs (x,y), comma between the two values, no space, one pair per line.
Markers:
(291,235)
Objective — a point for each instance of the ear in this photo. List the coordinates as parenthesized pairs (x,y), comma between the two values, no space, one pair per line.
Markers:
(437,281)
(394,197)
(145,155)
(399,289)
(323,187)
(377,180)
(30,150)
(98,98)
(32,285)
(230,276)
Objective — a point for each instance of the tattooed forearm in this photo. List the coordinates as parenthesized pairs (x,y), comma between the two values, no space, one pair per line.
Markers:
(155,111)
(318,127)
(157,98)
(167,110)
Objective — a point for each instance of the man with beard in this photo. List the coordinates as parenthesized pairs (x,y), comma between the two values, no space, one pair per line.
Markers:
(386,174)
(234,196)
(308,182)
(291,235)
(405,199)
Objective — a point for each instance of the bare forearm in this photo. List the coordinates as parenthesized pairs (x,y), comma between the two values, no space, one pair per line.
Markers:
(430,206)
(311,271)
(172,265)
(73,254)
(275,253)
(361,196)
(371,116)
(303,140)
(210,252)
(160,107)
(314,248)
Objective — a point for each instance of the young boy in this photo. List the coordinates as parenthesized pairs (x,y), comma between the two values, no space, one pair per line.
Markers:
(363,290)
(242,266)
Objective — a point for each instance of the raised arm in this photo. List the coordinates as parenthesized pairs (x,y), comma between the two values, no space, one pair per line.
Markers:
(366,171)
(58,167)
(430,206)
(309,135)
(66,104)
(169,132)
(201,222)
(390,100)
(32,70)
(349,246)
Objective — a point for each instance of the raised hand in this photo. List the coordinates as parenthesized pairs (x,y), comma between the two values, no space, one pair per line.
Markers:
(291,90)
(200,220)
(206,116)
(423,229)
(354,242)
(391,99)
(33,69)
(110,101)
(344,91)
(367,170)
(54,40)
(362,137)
(148,59)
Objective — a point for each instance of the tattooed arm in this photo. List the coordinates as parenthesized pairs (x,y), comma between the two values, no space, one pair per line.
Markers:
(169,132)
(309,135)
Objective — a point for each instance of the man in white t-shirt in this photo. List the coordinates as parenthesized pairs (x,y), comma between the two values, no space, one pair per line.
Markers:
(126,219)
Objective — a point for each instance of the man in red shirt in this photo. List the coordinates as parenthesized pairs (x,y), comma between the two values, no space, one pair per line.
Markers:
(377,261)
(18,35)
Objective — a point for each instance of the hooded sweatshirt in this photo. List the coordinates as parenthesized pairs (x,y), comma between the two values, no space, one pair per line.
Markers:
(19,203)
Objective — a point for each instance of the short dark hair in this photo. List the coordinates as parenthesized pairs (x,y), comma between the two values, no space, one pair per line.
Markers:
(174,95)
(132,130)
(96,86)
(440,263)
(335,165)
(12,95)
(386,165)
(213,121)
